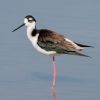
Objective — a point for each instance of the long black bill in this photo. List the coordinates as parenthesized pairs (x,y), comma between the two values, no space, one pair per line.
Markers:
(18,27)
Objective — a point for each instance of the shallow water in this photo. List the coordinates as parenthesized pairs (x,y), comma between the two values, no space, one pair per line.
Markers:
(26,74)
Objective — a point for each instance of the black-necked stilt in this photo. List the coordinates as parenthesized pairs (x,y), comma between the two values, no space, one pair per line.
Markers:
(50,43)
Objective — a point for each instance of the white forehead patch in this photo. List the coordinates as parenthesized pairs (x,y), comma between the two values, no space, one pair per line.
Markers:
(30,19)
(25,20)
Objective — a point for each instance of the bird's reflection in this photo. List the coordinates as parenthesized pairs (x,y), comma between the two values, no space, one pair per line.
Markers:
(54,92)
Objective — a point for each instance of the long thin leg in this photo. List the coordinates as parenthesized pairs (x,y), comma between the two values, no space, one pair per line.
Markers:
(54,93)
(54,72)
(54,80)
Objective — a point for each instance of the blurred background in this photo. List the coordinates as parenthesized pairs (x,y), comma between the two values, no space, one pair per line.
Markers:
(26,74)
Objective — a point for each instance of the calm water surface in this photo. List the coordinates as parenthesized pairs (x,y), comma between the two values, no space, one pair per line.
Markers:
(26,74)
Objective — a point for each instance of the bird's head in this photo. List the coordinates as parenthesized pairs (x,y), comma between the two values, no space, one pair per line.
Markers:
(29,21)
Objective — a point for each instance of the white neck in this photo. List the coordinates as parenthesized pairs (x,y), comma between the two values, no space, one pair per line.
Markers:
(29,31)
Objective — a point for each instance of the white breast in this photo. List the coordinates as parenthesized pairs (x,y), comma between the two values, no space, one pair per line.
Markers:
(34,40)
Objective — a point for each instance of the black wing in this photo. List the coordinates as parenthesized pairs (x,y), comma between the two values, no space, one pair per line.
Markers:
(51,41)
(82,45)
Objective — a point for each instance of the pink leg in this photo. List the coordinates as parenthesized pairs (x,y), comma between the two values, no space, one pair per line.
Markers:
(54,80)
(54,93)
(54,72)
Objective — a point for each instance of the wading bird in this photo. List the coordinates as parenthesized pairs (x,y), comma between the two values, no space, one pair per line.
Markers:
(50,43)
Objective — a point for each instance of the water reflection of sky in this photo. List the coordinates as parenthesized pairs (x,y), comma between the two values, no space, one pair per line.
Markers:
(25,74)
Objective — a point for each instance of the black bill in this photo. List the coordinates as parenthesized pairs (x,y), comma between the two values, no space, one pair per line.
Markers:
(18,27)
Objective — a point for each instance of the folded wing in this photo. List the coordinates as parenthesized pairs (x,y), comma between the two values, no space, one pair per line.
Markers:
(52,41)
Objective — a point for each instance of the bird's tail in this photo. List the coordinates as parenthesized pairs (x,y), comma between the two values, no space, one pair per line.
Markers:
(82,45)
(78,54)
